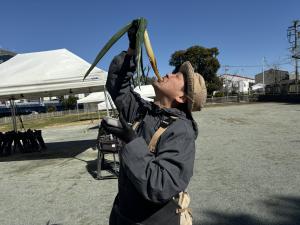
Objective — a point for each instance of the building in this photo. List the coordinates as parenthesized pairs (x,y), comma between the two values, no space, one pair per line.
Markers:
(236,83)
(5,55)
(271,76)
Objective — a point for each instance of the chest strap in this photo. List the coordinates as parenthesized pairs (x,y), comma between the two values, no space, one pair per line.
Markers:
(162,128)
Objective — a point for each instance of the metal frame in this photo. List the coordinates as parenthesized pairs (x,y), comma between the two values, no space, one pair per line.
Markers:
(106,145)
(13,114)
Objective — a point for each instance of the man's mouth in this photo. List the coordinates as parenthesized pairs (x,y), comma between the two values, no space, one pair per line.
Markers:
(165,78)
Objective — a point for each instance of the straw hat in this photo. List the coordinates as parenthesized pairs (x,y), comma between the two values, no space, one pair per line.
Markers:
(196,89)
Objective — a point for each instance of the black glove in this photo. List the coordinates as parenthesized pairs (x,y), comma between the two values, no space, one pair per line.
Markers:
(132,34)
(126,133)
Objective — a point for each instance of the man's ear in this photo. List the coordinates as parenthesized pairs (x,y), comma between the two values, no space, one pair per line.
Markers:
(181,99)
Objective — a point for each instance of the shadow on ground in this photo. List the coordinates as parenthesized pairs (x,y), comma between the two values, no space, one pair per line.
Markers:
(284,210)
(55,150)
(107,165)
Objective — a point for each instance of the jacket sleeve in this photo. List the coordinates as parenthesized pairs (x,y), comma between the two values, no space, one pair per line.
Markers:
(159,178)
(118,84)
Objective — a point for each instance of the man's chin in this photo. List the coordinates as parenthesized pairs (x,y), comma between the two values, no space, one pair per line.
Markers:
(155,84)
(156,87)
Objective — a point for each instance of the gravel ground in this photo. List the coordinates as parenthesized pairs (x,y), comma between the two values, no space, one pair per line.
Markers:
(247,172)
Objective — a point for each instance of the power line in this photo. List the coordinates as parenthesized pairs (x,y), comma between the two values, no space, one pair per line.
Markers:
(253,66)
(241,66)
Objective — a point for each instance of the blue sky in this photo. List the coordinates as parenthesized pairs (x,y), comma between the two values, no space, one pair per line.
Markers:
(243,31)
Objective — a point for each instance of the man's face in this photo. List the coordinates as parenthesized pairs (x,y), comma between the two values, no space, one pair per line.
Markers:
(172,86)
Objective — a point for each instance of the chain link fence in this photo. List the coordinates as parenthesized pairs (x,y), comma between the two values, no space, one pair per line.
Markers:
(231,99)
(83,113)
(35,116)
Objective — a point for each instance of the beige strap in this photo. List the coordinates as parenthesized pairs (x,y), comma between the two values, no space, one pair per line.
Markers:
(179,210)
(154,139)
(135,125)
(157,134)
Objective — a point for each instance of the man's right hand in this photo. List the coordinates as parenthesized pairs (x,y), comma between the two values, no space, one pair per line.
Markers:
(132,34)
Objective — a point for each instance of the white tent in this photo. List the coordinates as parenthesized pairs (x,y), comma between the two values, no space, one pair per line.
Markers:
(145,90)
(93,98)
(96,97)
(147,99)
(90,102)
(46,74)
(102,105)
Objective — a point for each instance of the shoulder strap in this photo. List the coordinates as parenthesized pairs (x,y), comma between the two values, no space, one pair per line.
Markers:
(135,125)
(163,127)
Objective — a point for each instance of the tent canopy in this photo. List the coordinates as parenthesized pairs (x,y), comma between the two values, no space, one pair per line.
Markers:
(93,98)
(102,105)
(49,73)
(146,92)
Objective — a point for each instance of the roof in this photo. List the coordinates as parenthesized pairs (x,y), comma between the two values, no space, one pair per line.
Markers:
(48,73)
(276,71)
(238,76)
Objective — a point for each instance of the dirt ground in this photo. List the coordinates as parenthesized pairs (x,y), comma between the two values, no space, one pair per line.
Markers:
(247,172)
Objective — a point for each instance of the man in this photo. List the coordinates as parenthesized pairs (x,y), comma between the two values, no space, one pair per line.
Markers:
(148,180)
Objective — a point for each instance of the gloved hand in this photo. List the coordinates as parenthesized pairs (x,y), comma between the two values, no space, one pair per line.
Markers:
(126,133)
(132,34)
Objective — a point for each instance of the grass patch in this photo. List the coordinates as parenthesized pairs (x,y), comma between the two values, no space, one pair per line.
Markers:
(39,123)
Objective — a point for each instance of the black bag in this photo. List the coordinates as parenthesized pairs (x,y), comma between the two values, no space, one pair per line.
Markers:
(167,215)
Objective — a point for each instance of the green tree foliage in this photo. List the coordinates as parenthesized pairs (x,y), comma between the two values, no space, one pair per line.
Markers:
(204,61)
(70,102)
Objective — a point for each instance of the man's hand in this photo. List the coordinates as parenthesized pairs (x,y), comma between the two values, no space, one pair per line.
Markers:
(126,133)
(132,34)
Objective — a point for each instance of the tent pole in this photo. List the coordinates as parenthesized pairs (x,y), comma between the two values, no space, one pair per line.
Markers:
(77,111)
(13,114)
(106,103)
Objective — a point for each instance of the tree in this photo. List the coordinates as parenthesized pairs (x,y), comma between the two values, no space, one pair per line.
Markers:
(69,103)
(204,60)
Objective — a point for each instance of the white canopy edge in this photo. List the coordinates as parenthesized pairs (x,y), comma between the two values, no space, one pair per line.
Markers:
(46,74)
(145,91)
(93,98)
(102,105)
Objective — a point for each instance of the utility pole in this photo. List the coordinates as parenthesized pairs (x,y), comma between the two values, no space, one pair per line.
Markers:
(226,81)
(295,49)
(263,70)
(293,38)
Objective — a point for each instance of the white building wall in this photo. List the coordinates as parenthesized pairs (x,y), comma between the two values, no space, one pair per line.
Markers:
(236,83)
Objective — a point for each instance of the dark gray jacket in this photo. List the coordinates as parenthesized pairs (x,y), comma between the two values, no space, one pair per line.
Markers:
(148,180)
